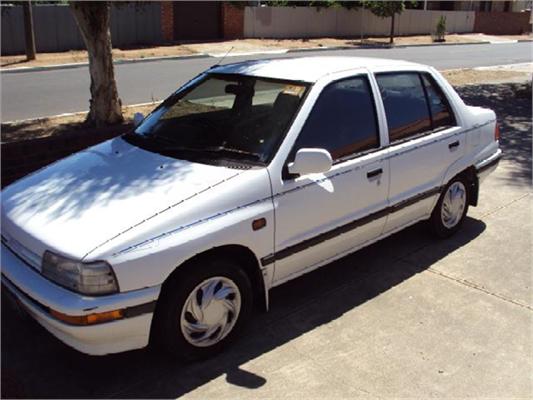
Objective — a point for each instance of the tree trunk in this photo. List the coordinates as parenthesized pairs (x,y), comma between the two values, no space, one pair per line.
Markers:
(391,39)
(93,18)
(29,35)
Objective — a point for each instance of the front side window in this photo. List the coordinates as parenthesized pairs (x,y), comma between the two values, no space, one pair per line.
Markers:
(222,117)
(405,104)
(342,121)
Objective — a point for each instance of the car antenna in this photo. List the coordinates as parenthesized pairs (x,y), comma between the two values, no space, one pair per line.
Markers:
(223,58)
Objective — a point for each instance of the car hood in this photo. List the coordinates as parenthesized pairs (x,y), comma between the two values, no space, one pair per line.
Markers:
(78,203)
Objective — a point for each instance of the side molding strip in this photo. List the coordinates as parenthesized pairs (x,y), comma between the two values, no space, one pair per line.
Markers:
(289,251)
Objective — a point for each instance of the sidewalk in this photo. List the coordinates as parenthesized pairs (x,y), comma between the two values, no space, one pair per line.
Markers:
(241,47)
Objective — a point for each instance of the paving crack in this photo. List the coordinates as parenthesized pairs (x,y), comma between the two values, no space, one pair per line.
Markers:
(488,213)
(465,282)
(475,286)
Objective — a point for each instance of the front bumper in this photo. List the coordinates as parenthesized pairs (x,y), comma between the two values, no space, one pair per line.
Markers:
(39,297)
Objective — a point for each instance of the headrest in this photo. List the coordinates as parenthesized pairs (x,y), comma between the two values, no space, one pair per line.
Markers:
(286,102)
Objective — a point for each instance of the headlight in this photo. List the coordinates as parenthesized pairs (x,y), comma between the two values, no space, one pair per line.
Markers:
(87,278)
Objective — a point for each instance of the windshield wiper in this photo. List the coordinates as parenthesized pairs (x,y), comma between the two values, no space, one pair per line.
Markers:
(160,144)
(233,151)
(218,151)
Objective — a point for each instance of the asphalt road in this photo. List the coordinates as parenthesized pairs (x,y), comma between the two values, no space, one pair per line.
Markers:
(408,317)
(44,93)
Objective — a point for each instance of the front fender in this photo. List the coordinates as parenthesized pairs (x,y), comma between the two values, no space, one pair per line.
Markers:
(150,262)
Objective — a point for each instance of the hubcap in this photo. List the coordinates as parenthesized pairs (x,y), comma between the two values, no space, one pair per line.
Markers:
(210,311)
(453,205)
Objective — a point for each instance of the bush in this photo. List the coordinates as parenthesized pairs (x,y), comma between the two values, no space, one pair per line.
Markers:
(440,31)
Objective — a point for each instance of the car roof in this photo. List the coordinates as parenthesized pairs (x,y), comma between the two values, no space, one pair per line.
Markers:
(307,69)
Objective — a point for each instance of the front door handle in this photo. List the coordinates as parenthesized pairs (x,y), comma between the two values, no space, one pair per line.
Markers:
(453,145)
(373,173)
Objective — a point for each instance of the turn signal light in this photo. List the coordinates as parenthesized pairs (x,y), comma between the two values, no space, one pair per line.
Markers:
(259,224)
(497,132)
(88,319)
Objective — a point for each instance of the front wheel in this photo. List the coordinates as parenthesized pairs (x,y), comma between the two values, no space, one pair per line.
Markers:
(450,211)
(203,308)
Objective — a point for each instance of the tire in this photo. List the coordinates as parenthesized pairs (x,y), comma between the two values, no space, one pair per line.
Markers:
(450,211)
(226,293)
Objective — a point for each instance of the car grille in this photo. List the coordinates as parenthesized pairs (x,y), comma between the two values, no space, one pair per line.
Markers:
(21,251)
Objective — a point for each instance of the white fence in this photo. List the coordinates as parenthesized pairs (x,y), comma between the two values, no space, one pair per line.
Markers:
(287,22)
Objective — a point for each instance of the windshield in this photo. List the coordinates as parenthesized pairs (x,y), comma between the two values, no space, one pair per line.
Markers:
(222,117)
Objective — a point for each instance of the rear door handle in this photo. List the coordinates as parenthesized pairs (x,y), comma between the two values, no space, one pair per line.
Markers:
(373,173)
(453,145)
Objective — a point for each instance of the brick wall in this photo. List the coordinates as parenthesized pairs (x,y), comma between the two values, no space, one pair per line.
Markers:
(232,21)
(167,21)
(21,158)
(502,23)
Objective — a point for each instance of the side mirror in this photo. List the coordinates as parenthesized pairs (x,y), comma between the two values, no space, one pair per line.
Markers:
(311,161)
(137,119)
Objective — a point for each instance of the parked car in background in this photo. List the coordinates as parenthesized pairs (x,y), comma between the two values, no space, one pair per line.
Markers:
(248,176)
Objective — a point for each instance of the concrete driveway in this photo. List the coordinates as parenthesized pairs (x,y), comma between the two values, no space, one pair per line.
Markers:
(408,317)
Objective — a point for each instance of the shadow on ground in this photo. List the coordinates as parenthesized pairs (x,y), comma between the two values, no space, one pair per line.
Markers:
(512,104)
(8,63)
(34,130)
(35,364)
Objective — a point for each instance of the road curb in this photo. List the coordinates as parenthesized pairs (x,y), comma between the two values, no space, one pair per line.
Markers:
(116,62)
(441,44)
(71,114)
(205,55)
(323,48)
(383,46)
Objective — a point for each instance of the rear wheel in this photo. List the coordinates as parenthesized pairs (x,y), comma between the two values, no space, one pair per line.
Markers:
(450,211)
(203,308)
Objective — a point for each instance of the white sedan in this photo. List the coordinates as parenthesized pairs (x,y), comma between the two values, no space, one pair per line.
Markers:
(248,176)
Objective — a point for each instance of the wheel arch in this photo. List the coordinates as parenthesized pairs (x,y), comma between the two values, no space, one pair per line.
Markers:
(469,173)
(246,259)
(470,176)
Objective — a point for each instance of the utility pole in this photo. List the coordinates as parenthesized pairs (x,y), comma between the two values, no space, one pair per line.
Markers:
(28,31)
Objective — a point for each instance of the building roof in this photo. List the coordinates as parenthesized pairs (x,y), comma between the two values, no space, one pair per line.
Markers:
(308,69)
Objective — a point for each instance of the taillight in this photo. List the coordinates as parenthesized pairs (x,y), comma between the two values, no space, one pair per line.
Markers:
(497,132)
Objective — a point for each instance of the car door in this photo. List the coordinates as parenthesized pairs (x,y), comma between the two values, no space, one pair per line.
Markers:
(424,140)
(321,216)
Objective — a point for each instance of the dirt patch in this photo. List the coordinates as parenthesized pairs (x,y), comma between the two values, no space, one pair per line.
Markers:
(54,126)
(79,56)
(462,77)
(249,45)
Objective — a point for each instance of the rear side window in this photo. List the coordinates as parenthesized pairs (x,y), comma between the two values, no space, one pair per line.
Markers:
(405,104)
(342,121)
(441,113)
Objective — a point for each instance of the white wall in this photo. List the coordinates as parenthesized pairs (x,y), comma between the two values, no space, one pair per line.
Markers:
(287,22)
